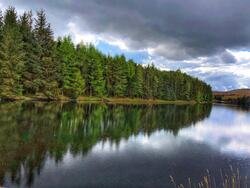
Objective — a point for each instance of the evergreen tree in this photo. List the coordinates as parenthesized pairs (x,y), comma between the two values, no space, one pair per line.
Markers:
(46,55)
(120,76)
(32,69)
(131,85)
(11,56)
(73,83)
(109,76)
(49,78)
(93,72)
(149,82)
(138,81)
(155,83)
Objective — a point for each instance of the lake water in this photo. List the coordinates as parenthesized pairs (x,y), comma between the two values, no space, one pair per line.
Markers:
(116,146)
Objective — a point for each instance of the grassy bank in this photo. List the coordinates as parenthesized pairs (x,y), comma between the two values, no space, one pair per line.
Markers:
(144,101)
(107,100)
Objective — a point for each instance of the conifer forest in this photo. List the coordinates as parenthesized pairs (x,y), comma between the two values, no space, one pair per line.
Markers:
(33,62)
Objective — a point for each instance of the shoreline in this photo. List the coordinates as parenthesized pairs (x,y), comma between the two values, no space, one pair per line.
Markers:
(103,100)
(225,103)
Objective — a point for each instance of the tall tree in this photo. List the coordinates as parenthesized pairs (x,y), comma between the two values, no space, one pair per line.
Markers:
(131,87)
(11,56)
(148,76)
(109,75)
(32,68)
(92,71)
(138,82)
(46,54)
(121,72)
(73,83)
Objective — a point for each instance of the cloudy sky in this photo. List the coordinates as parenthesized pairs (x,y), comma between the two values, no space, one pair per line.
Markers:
(209,39)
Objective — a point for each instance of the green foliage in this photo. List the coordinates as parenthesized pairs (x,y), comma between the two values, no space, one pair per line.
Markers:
(131,82)
(73,83)
(32,62)
(120,76)
(109,75)
(49,78)
(31,76)
(138,81)
(11,56)
(47,57)
(91,63)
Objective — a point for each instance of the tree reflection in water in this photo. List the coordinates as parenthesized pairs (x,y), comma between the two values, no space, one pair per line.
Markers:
(31,132)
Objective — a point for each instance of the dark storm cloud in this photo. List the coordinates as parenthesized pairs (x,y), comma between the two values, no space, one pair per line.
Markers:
(227,57)
(176,29)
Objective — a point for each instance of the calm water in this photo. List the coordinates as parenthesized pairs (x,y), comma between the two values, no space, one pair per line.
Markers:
(90,145)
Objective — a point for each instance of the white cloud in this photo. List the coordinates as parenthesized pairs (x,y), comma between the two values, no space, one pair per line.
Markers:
(115,41)
(220,74)
(231,136)
(241,56)
(81,36)
(144,142)
(234,139)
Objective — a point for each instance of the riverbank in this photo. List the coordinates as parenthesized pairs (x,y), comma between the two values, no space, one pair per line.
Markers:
(132,101)
(106,100)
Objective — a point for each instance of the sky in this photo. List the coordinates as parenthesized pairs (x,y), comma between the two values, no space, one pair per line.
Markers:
(208,39)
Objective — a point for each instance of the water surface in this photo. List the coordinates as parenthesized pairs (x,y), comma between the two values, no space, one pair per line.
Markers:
(93,145)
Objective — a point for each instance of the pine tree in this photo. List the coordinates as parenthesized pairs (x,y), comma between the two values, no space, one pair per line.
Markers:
(46,54)
(109,76)
(49,78)
(32,69)
(131,87)
(148,80)
(73,83)
(155,82)
(93,72)
(120,76)
(138,81)
(11,56)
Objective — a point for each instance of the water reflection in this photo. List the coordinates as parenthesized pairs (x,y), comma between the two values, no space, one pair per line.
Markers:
(224,130)
(37,138)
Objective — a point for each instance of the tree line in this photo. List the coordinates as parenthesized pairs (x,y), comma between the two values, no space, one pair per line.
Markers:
(243,101)
(33,63)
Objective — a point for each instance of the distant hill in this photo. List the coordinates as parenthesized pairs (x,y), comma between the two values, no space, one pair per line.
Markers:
(239,96)
(238,93)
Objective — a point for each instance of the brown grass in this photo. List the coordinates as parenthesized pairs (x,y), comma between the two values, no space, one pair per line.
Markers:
(232,180)
(233,94)
(144,101)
